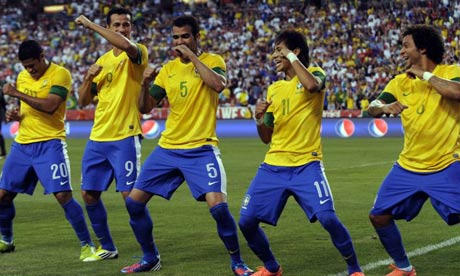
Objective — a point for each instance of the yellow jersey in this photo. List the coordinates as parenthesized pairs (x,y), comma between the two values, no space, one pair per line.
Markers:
(431,122)
(192,117)
(297,115)
(35,125)
(118,88)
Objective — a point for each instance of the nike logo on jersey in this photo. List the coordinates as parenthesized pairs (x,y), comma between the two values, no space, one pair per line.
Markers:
(324,201)
(212,183)
(405,93)
(129,182)
(170,76)
(64,182)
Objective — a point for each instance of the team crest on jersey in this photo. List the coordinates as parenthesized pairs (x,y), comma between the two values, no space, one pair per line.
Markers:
(246,200)
(44,83)
(299,88)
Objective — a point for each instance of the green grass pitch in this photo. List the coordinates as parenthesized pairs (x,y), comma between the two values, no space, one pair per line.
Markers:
(185,232)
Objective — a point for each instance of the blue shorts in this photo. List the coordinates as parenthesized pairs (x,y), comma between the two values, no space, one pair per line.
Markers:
(271,187)
(403,193)
(166,169)
(104,161)
(46,161)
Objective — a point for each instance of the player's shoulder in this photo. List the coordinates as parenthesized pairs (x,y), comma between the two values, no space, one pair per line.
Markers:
(211,56)
(313,69)
(142,47)
(59,69)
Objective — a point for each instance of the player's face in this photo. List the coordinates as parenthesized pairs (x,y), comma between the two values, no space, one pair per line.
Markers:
(35,66)
(183,36)
(121,23)
(282,64)
(409,52)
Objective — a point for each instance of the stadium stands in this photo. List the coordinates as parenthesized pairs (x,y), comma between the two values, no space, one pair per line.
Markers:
(356,42)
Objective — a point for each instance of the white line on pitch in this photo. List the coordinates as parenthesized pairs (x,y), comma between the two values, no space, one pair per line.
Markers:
(416,252)
(359,166)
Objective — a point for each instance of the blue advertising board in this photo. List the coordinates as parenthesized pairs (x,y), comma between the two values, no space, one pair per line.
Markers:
(331,127)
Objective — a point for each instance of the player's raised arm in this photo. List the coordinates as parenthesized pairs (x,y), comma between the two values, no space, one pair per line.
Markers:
(213,79)
(117,32)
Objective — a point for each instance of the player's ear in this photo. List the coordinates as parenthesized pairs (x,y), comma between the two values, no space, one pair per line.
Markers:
(296,51)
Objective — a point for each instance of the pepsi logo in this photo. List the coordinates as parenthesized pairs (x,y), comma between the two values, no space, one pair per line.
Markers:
(378,127)
(345,128)
(151,129)
(14,128)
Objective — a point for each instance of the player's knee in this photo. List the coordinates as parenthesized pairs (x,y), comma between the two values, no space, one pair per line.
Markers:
(379,221)
(247,223)
(135,209)
(327,219)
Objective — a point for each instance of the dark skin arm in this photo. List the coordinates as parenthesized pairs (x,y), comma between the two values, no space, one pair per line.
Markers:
(48,105)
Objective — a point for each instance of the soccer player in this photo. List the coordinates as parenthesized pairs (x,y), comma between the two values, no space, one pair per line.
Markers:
(290,120)
(39,151)
(427,98)
(187,149)
(113,150)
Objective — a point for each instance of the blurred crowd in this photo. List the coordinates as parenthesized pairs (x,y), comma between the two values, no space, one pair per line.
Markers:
(356,42)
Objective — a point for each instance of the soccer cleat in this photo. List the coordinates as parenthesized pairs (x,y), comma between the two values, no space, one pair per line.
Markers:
(86,252)
(262,271)
(241,269)
(142,266)
(101,254)
(6,247)
(357,274)
(398,272)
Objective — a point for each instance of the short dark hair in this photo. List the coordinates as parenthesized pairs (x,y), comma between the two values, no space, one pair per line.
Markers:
(29,49)
(118,10)
(187,20)
(429,38)
(293,39)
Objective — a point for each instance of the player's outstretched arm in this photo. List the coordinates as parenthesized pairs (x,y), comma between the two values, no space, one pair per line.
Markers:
(116,39)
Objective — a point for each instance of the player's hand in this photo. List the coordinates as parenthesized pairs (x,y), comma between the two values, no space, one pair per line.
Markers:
(12,115)
(261,108)
(9,89)
(394,108)
(414,72)
(83,20)
(285,51)
(150,74)
(183,51)
(93,71)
